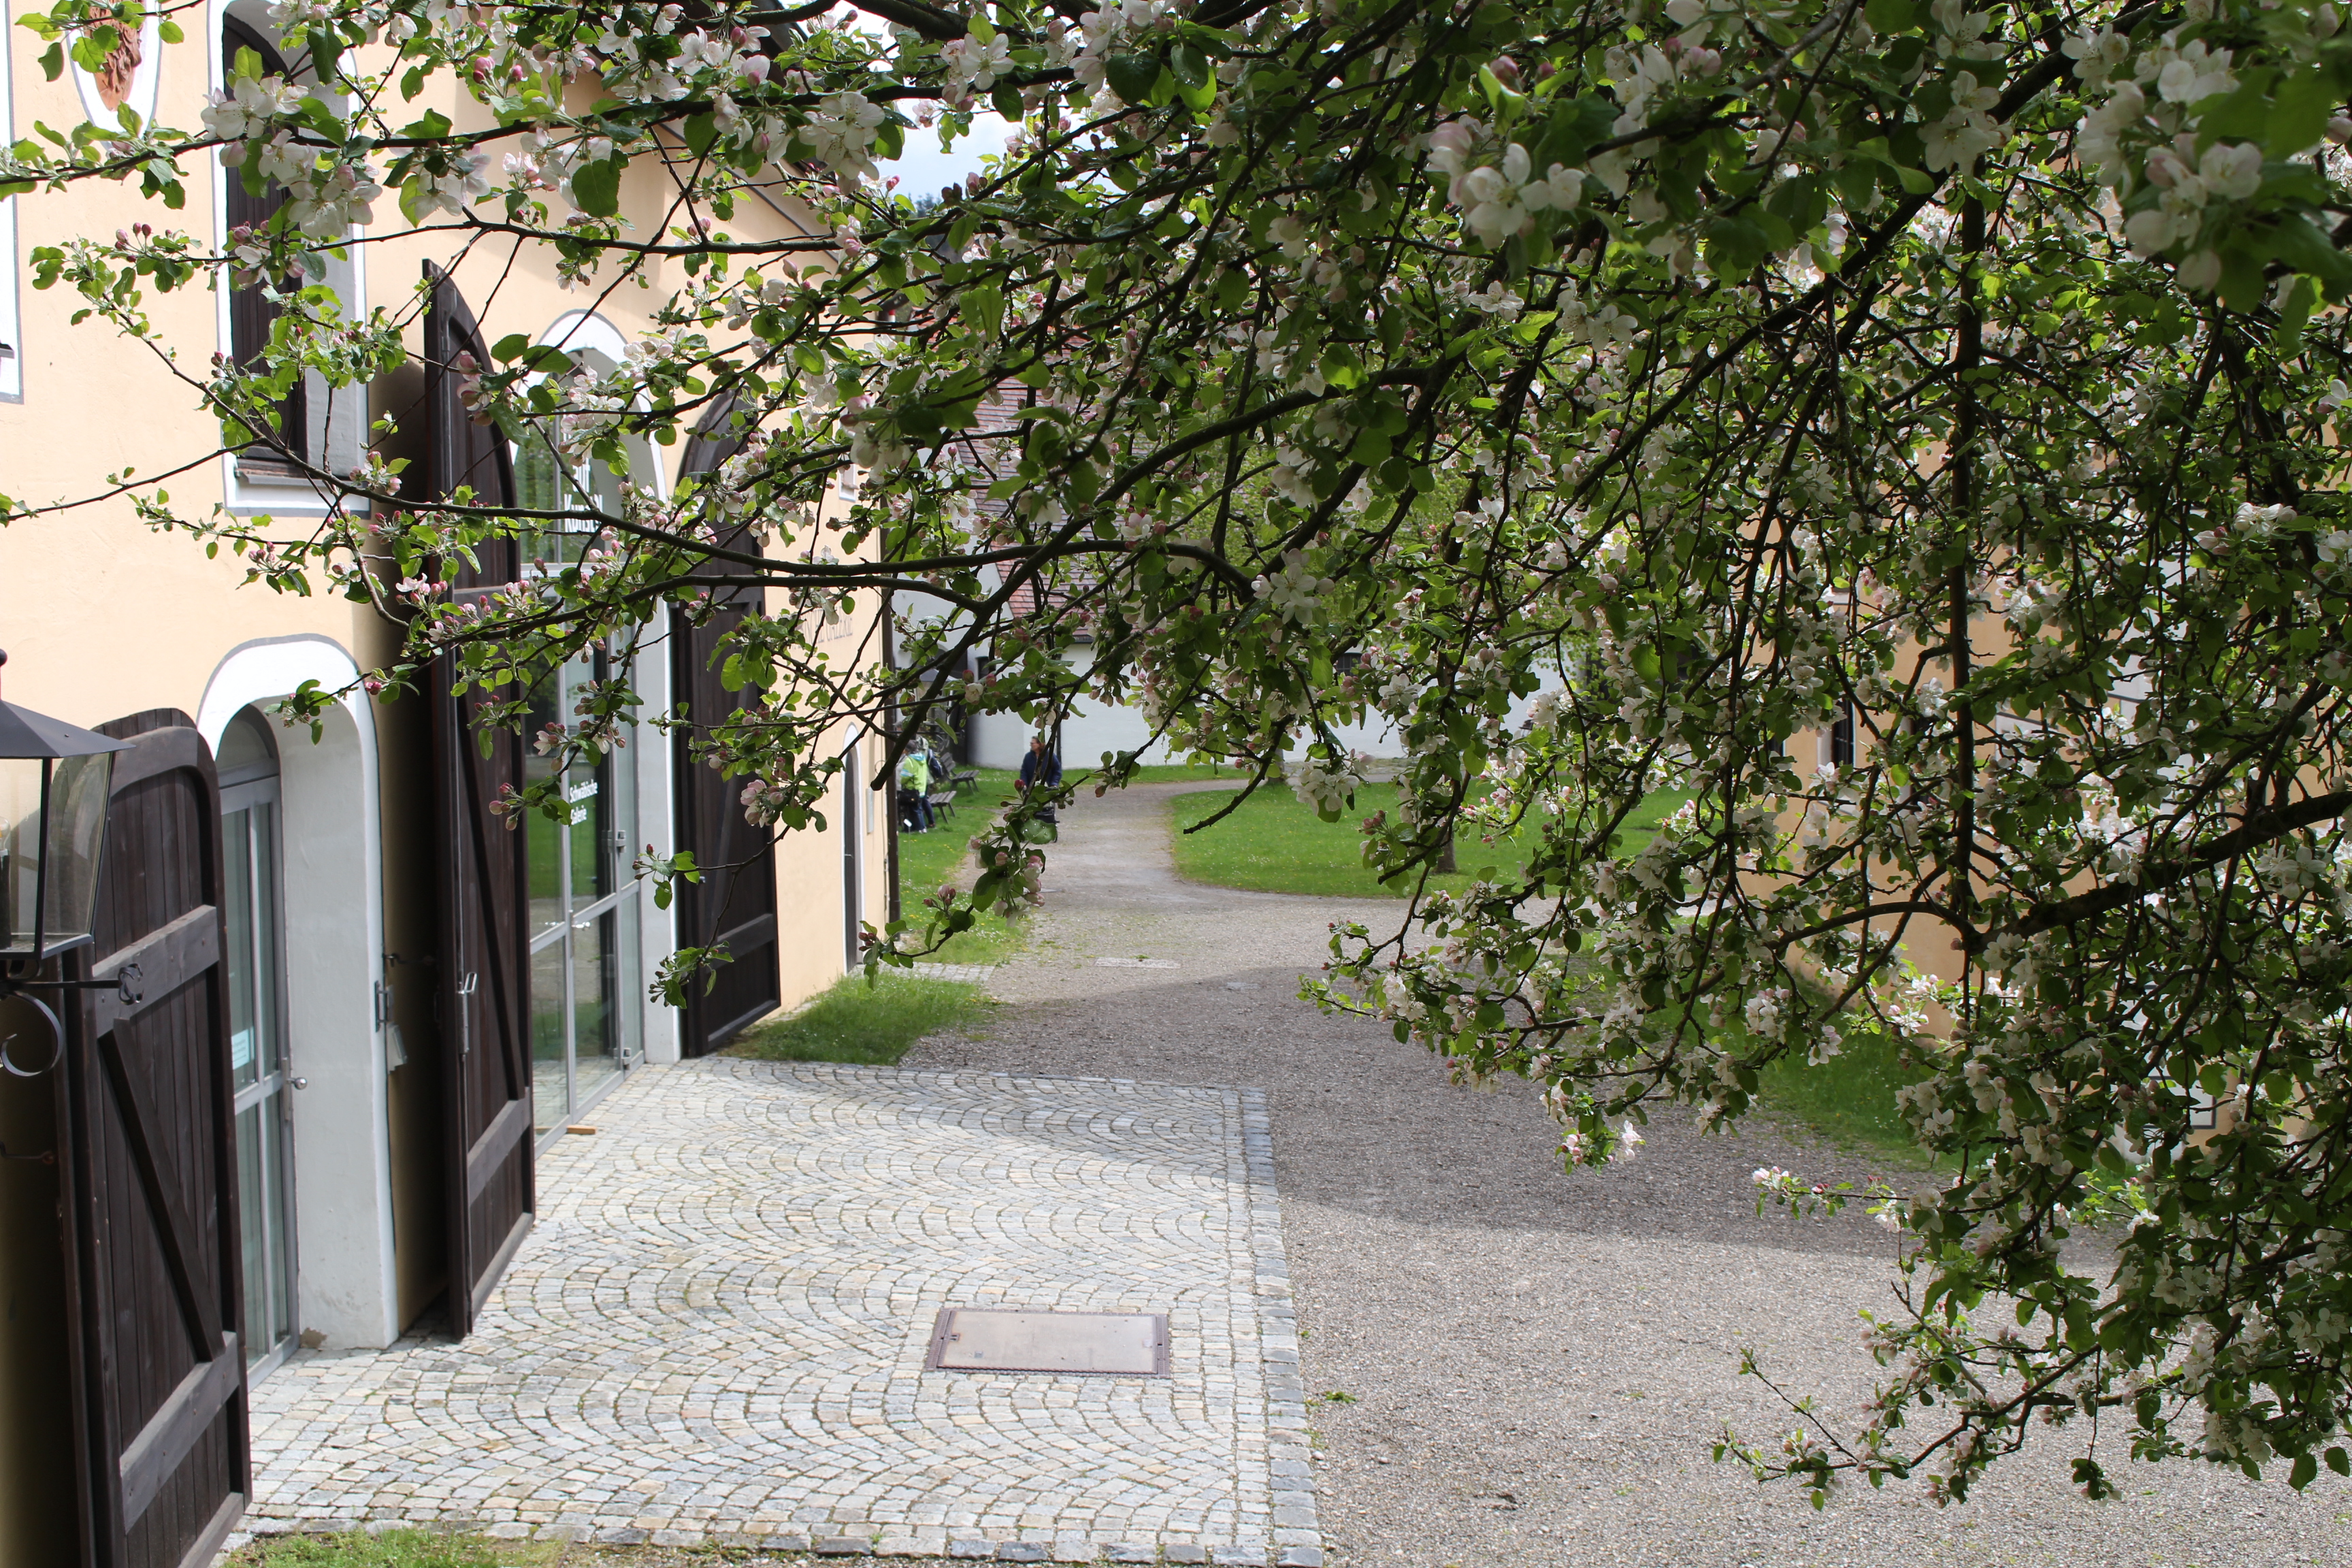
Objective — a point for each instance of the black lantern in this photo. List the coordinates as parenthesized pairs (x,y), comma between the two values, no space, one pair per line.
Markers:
(54,780)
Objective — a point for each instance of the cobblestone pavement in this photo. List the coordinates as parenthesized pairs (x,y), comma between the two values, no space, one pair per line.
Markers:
(716,1333)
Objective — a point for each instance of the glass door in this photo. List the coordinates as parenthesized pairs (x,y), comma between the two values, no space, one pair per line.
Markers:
(258,1054)
(586,1016)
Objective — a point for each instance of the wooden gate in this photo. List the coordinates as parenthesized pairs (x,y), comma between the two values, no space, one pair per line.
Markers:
(735,903)
(157,1307)
(484,950)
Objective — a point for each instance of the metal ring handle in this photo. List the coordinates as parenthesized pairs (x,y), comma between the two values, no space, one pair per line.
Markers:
(56,1033)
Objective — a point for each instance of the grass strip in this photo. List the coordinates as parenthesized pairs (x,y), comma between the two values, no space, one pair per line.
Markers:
(393,1548)
(865,1024)
(943,857)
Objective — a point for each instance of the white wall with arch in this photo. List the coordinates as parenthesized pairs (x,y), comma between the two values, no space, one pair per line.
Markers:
(332,866)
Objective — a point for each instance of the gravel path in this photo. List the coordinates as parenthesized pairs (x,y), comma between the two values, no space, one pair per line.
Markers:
(1537,1362)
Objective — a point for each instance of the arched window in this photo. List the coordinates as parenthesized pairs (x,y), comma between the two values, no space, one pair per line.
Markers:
(251,312)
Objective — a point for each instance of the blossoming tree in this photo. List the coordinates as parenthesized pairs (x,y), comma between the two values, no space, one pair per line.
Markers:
(1711,373)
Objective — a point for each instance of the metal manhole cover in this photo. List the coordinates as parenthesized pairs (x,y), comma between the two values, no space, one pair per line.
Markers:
(968,1338)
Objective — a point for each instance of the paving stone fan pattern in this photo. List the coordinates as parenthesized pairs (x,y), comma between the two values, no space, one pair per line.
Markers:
(716,1333)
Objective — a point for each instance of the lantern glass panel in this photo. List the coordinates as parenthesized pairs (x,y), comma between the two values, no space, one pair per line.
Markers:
(20,854)
(77,800)
(49,851)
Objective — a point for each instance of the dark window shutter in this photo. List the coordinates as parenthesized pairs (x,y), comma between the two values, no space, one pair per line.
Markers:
(735,903)
(484,950)
(250,314)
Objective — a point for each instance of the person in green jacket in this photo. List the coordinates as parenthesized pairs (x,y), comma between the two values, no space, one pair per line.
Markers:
(915,789)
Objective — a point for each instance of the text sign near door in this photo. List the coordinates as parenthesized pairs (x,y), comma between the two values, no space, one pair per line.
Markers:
(969,1339)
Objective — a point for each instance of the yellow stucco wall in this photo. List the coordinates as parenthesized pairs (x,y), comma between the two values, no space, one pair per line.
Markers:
(102,616)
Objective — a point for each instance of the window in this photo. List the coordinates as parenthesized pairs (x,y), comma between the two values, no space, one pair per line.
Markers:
(1841,736)
(543,483)
(257,1040)
(585,1021)
(251,311)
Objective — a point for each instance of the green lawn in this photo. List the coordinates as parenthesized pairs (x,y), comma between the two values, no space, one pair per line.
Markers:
(865,1024)
(928,861)
(1184,773)
(1275,844)
(1848,1100)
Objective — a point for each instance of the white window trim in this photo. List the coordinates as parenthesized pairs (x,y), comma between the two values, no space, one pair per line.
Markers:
(577,332)
(144,81)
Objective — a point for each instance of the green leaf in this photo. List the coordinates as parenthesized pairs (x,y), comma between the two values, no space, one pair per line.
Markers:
(2305,1471)
(1890,16)
(2299,114)
(430,126)
(983,307)
(701,133)
(1915,182)
(2287,336)
(597,188)
(507,347)
(2340,1462)
(1187,65)
(1736,247)
(1132,76)
(1007,100)
(2245,113)
(2241,277)
(2304,247)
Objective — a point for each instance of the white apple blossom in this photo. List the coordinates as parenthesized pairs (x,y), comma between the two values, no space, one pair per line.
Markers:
(841,133)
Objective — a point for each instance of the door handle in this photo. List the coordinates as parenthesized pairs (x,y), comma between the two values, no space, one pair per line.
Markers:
(300,1082)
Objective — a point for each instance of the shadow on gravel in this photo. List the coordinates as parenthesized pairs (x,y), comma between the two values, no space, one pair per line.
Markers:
(1365,1124)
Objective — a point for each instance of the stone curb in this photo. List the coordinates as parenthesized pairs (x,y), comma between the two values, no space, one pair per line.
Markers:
(1217,1552)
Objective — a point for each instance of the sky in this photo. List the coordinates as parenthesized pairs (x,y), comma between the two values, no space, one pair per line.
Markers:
(925,168)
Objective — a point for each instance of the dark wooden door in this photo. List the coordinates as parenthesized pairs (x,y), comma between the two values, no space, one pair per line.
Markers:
(152,1222)
(480,866)
(734,905)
